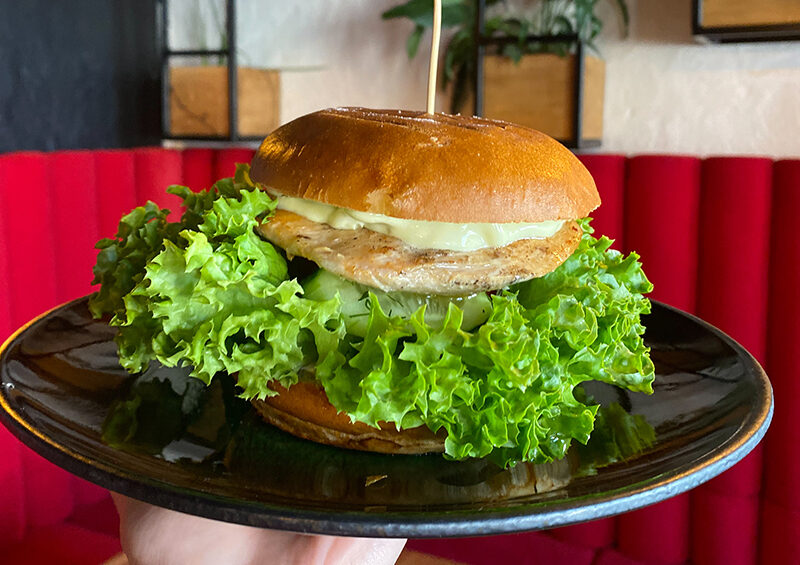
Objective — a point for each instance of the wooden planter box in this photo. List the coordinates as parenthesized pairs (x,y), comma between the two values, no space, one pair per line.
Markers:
(198,101)
(732,13)
(538,92)
(729,21)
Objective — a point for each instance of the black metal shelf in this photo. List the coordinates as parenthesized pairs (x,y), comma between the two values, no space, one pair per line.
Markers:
(482,41)
(741,34)
(229,53)
(196,52)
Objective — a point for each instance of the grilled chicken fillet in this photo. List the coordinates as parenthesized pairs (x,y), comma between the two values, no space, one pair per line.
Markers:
(385,262)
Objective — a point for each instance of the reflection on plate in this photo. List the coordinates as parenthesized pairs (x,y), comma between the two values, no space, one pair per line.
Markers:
(171,441)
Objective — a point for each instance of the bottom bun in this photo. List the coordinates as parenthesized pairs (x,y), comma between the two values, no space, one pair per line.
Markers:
(303,410)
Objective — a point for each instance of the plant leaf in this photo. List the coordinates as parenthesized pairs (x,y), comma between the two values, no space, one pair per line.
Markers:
(623,10)
(513,52)
(462,85)
(412,45)
(454,12)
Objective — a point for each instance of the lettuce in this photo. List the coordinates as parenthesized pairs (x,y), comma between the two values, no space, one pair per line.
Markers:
(209,294)
(617,436)
(121,261)
(141,235)
(218,299)
(505,389)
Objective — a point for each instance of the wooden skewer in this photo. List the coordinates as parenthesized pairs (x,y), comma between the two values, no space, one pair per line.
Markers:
(434,64)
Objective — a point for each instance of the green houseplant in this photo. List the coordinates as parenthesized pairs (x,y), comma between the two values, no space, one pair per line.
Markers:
(550,17)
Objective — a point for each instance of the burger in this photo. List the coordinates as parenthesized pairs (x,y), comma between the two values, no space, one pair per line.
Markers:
(390,281)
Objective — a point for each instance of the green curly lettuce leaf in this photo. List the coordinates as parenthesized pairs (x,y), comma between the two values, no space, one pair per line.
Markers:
(141,235)
(219,301)
(505,389)
(209,294)
(598,294)
(120,262)
(617,436)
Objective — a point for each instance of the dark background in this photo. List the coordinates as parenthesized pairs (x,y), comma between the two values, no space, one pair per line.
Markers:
(78,74)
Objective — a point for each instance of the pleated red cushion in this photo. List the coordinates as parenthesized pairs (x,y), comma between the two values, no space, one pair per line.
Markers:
(595,534)
(661,221)
(608,172)
(28,224)
(86,493)
(732,294)
(782,462)
(64,544)
(99,516)
(657,534)
(613,557)
(76,223)
(48,491)
(781,475)
(529,549)
(225,161)
(734,248)
(780,527)
(154,170)
(116,188)
(661,218)
(198,168)
(53,208)
(780,534)
(707,240)
(6,324)
(724,528)
(12,495)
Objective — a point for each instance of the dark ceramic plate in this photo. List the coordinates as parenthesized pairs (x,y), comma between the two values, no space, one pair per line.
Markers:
(164,439)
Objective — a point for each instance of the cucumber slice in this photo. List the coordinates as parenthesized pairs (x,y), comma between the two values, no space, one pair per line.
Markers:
(323,285)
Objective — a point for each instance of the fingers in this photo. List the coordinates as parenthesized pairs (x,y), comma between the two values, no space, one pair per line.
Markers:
(330,550)
(157,536)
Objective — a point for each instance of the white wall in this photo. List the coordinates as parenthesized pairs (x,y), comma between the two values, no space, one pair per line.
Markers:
(664,92)
(334,52)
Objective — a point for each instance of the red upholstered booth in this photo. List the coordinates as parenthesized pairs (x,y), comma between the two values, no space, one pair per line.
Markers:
(717,239)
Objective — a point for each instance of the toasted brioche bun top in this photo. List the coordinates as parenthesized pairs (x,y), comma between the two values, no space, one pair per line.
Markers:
(418,166)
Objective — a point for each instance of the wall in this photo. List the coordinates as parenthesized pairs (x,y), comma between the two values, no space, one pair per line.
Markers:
(79,74)
(333,52)
(664,92)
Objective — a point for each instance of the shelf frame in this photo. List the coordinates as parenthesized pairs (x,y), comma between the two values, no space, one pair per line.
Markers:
(482,42)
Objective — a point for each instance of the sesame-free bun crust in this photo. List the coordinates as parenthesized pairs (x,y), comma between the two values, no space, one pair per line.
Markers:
(303,410)
(420,166)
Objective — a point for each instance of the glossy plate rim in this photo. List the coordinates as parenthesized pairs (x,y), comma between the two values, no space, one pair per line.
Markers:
(459,523)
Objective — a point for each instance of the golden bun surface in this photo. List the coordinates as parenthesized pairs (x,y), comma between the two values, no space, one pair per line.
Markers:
(303,410)
(418,166)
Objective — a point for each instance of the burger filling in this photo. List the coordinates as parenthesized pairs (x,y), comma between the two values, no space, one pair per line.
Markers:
(417,233)
(387,263)
(497,372)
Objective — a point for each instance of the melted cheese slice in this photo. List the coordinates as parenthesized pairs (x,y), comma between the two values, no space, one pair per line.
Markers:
(417,233)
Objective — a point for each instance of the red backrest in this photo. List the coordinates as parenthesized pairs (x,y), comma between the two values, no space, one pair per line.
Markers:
(716,237)
(53,209)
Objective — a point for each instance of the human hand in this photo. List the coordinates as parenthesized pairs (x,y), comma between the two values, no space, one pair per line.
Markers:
(156,536)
